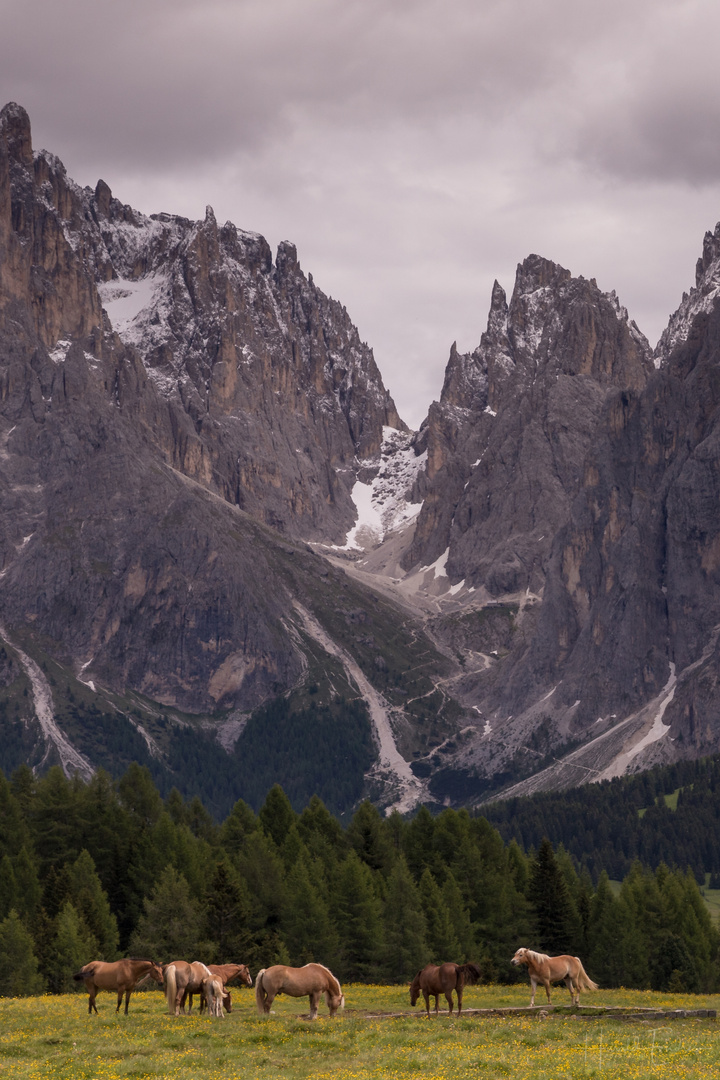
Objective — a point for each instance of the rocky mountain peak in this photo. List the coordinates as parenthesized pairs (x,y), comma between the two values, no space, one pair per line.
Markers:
(506,441)
(15,133)
(700,301)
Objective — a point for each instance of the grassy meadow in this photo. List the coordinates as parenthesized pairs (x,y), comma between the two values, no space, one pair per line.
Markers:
(54,1037)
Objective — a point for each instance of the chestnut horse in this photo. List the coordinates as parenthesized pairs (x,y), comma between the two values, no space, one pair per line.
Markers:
(551,969)
(433,981)
(121,975)
(312,979)
(227,973)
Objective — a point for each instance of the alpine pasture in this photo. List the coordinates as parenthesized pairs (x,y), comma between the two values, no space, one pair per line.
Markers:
(377,1036)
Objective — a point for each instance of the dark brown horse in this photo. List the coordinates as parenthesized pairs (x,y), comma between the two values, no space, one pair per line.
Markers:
(122,975)
(433,981)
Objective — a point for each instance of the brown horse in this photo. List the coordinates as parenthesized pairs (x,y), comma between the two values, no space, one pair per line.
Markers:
(227,973)
(121,975)
(551,969)
(181,979)
(312,979)
(433,981)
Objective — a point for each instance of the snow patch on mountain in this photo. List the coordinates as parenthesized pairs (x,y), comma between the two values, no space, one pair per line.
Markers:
(383,504)
(124,300)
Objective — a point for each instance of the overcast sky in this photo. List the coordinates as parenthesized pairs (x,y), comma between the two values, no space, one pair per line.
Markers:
(414,150)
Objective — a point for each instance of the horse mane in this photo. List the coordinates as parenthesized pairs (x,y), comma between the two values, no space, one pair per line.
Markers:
(537,957)
(470,973)
(328,972)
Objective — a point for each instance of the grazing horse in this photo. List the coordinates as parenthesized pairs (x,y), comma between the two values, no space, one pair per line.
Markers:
(433,981)
(121,975)
(182,978)
(227,973)
(551,969)
(312,979)
(213,993)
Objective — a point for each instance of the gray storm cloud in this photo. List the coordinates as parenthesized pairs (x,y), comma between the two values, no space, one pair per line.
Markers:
(413,150)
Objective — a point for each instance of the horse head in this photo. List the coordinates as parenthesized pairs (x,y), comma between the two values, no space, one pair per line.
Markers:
(520,957)
(157,973)
(415,989)
(244,975)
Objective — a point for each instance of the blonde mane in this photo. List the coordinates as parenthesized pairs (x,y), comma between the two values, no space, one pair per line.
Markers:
(537,957)
(328,972)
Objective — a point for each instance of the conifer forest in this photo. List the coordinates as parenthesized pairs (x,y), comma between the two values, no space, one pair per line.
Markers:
(111,868)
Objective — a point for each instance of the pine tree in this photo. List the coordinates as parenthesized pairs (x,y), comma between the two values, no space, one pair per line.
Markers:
(277,815)
(440,936)
(73,946)
(306,927)
(358,918)
(405,948)
(226,909)
(27,881)
(460,919)
(238,825)
(18,960)
(8,887)
(170,928)
(555,916)
(369,838)
(91,903)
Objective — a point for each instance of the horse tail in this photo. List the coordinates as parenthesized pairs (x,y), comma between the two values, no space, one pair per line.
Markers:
(583,980)
(171,988)
(260,995)
(469,973)
(84,972)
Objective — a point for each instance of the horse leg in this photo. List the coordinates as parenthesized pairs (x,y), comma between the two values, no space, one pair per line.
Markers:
(92,991)
(314,1002)
(121,991)
(546,984)
(574,991)
(269,998)
(533,984)
(128,992)
(459,997)
(448,998)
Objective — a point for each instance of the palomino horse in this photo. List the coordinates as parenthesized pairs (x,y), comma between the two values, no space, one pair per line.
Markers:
(182,978)
(213,993)
(227,973)
(312,979)
(121,975)
(433,981)
(551,969)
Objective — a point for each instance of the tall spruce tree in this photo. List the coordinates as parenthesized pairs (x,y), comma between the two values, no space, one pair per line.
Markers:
(556,920)
(73,946)
(170,927)
(306,927)
(442,941)
(358,917)
(405,948)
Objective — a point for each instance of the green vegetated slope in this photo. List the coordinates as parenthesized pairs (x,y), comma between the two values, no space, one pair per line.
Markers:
(314,739)
(668,814)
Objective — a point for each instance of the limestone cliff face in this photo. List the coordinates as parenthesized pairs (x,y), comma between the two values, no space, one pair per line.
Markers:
(267,395)
(166,392)
(515,419)
(635,583)
(631,607)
